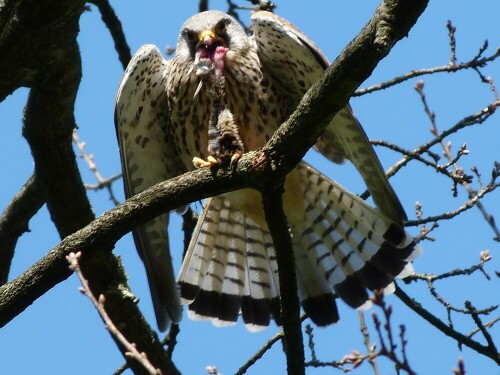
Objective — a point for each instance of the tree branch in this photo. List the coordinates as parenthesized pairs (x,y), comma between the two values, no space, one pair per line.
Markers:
(40,50)
(448,331)
(14,222)
(114,26)
(261,169)
(290,307)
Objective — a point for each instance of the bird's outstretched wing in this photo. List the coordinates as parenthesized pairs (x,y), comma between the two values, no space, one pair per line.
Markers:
(294,63)
(148,156)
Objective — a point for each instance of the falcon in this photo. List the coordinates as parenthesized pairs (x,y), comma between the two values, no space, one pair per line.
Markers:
(171,116)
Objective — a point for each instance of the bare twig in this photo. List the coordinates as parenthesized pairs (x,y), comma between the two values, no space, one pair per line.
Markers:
(475,63)
(171,339)
(369,347)
(447,152)
(490,324)
(461,368)
(448,331)
(132,352)
(310,341)
(441,168)
(474,201)
(258,355)
(475,315)
(102,183)
(453,43)
(389,350)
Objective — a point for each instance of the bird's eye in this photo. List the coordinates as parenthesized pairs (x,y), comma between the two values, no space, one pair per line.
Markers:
(190,35)
(221,26)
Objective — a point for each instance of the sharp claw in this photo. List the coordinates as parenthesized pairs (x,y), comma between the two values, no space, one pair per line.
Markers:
(234,160)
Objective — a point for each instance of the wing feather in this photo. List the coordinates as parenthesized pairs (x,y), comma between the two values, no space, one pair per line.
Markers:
(295,63)
(148,157)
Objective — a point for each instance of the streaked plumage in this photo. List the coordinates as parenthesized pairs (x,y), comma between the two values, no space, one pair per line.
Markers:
(342,245)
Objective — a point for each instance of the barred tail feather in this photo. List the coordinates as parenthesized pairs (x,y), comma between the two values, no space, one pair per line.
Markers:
(353,245)
(230,266)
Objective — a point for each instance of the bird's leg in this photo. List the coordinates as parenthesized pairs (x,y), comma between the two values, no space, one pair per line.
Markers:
(224,143)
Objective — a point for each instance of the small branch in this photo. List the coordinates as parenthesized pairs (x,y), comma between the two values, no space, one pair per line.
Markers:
(474,119)
(454,273)
(14,221)
(419,87)
(114,26)
(132,352)
(475,63)
(490,324)
(171,340)
(480,325)
(260,353)
(310,342)
(460,338)
(417,156)
(369,347)
(290,307)
(453,43)
(430,279)
(474,201)
(102,183)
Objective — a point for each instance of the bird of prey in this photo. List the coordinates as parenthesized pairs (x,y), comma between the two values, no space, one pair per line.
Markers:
(170,118)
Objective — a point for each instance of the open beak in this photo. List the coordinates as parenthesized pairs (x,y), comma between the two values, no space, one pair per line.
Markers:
(210,53)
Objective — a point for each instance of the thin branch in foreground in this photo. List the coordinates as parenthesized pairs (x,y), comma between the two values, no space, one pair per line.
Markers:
(389,349)
(461,368)
(132,352)
(310,341)
(369,347)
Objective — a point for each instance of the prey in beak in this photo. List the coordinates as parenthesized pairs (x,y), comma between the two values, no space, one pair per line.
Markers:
(210,53)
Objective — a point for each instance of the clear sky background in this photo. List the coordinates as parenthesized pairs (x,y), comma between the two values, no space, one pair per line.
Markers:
(61,332)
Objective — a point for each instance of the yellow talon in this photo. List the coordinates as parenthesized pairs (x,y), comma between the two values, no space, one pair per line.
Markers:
(209,163)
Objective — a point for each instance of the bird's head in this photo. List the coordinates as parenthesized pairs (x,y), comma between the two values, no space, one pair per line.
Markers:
(209,40)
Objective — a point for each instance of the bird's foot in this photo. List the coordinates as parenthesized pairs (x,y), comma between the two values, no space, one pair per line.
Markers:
(209,163)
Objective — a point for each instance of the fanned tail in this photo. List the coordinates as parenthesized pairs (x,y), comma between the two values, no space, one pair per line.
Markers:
(351,244)
(230,266)
(343,248)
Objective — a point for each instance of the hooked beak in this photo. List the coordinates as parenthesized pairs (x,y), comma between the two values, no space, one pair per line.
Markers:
(207,38)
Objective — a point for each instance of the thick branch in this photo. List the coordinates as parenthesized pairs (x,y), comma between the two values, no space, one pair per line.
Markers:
(39,49)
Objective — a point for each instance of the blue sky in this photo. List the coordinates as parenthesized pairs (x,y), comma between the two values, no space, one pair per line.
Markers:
(61,332)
